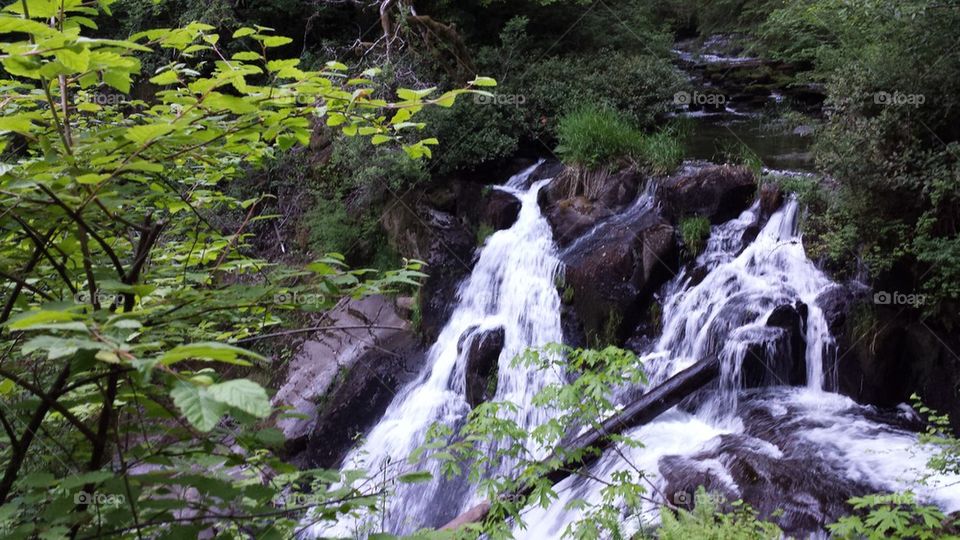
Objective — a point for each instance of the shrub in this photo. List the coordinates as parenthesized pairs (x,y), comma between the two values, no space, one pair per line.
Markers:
(661,152)
(592,136)
(707,521)
(641,86)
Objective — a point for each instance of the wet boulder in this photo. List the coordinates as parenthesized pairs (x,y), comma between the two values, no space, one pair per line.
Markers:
(500,209)
(482,355)
(317,368)
(445,242)
(360,399)
(576,200)
(613,273)
(771,199)
(571,218)
(776,355)
(718,192)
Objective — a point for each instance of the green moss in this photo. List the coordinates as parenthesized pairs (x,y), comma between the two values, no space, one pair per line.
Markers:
(483,232)
(567,296)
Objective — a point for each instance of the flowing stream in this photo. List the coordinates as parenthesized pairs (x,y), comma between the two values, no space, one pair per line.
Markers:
(788,441)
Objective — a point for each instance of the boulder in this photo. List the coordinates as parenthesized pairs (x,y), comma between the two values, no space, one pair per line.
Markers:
(313,372)
(482,356)
(778,357)
(363,395)
(575,201)
(613,272)
(771,199)
(445,242)
(571,218)
(500,209)
(718,192)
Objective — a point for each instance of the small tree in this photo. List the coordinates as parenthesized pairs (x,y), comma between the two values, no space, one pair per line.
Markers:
(121,408)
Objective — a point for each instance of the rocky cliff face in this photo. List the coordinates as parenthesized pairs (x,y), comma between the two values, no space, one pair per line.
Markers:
(341,377)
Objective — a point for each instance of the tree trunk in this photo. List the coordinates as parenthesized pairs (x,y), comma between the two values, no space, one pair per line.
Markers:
(638,412)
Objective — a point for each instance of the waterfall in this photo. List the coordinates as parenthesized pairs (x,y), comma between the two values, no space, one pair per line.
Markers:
(813,448)
(513,287)
(808,430)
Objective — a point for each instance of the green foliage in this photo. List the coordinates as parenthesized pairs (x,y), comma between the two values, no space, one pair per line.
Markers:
(128,408)
(695,231)
(940,436)
(483,232)
(474,131)
(640,87)
(709,521)
(742,154)
(890,140)
(896,515)
(594,137)
(492,436)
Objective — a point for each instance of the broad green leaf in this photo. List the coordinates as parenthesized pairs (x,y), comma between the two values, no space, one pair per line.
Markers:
(197,406)
(415,477)
(483,81)
(145,133)
(220,352)
(30,319)
(242,394)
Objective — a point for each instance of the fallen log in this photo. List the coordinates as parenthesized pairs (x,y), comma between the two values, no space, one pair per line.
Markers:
(640,411)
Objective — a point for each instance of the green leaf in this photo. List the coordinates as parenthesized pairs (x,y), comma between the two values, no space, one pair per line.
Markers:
(415,477)
(243,32)
(275,41)
(18,123)
(167,77)
(483,81)
(32,319)
(57,347)
(242,394)
(220,352)
(197,406)
(145,133)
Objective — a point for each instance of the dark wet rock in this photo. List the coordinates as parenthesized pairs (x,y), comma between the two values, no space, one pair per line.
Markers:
(792,320)
(500,209)
(445,242)
(718,192)
(771,199)
(573,206)
(317,368)
(772,466)
(836,303)
(482,355)
(359,401)
(614,272)
(571,218)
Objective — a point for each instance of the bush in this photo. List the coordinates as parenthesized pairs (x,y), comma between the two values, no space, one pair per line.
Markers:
(592,136)
(641,86)
(708,521)
(472,132)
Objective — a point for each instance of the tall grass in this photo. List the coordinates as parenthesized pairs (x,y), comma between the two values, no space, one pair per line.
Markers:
(595,137)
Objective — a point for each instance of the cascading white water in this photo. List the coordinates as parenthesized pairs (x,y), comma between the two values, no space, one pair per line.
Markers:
(512,286)
(720,310)
(723,315)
